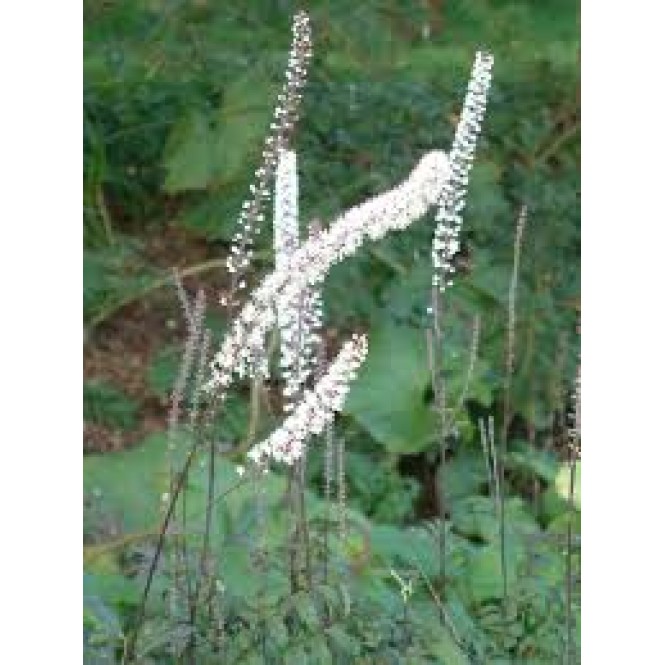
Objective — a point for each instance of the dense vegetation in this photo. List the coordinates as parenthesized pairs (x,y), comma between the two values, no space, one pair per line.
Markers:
(178,96)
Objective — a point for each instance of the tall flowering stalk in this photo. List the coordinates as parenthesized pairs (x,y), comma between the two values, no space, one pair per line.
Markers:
(298,326)
(289,299)
(453,198)
(309,264)
(445,245)
(285,117)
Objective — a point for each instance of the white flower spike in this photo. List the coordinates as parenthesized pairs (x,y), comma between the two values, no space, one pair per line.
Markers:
(316,409)
(449,216)
(309,264)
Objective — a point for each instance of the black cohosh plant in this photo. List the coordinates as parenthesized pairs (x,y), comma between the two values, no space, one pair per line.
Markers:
(285,314)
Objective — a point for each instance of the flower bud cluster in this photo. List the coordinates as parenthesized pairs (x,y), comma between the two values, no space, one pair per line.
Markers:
(284,120)
(316,409)
(449,216)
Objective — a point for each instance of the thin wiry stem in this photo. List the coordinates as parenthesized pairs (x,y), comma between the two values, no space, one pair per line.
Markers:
(182,297)
(435,354)
(473,357)
(491,436)
(510,362)
(130,644)
(179,485)
(573,455)
(487,441)
(328,471)
(194,318)
(328,454)
(341,488)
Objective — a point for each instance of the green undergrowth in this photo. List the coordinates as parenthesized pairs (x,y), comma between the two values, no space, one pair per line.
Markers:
(357,615)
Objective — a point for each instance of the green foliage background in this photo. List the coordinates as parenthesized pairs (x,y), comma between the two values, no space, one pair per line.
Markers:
(177,99)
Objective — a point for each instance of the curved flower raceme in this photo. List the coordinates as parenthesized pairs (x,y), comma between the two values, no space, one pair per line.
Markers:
(308,265)
(316,409)
(449,216)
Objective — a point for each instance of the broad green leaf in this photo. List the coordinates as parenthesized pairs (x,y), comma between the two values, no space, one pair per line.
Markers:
(112,589)
(101,631)
(243,121)
(126,486)
(296,655)
(464,475)
(105,404)
(307,611)
(341,642)
(388,396)
(188,155)
(525,457)
(319,653)
(476,517)
(483,580)
(277,632)
(446,650)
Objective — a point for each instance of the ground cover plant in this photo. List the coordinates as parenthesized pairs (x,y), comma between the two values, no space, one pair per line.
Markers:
(366,460)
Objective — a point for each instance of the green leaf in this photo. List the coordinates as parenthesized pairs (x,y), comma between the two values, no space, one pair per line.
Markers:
(306,610)
(112,589)
(296,655)
(107,405)
(341,642)
(464,475)
(388,397)
(475,517)
(163,370)
(126,486)
(243,121)
(483,580)
(188,155)
(277,632)
(446,650)
(526,458)
(319,654)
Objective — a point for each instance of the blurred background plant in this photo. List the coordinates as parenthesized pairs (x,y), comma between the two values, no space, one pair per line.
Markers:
(177,99)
